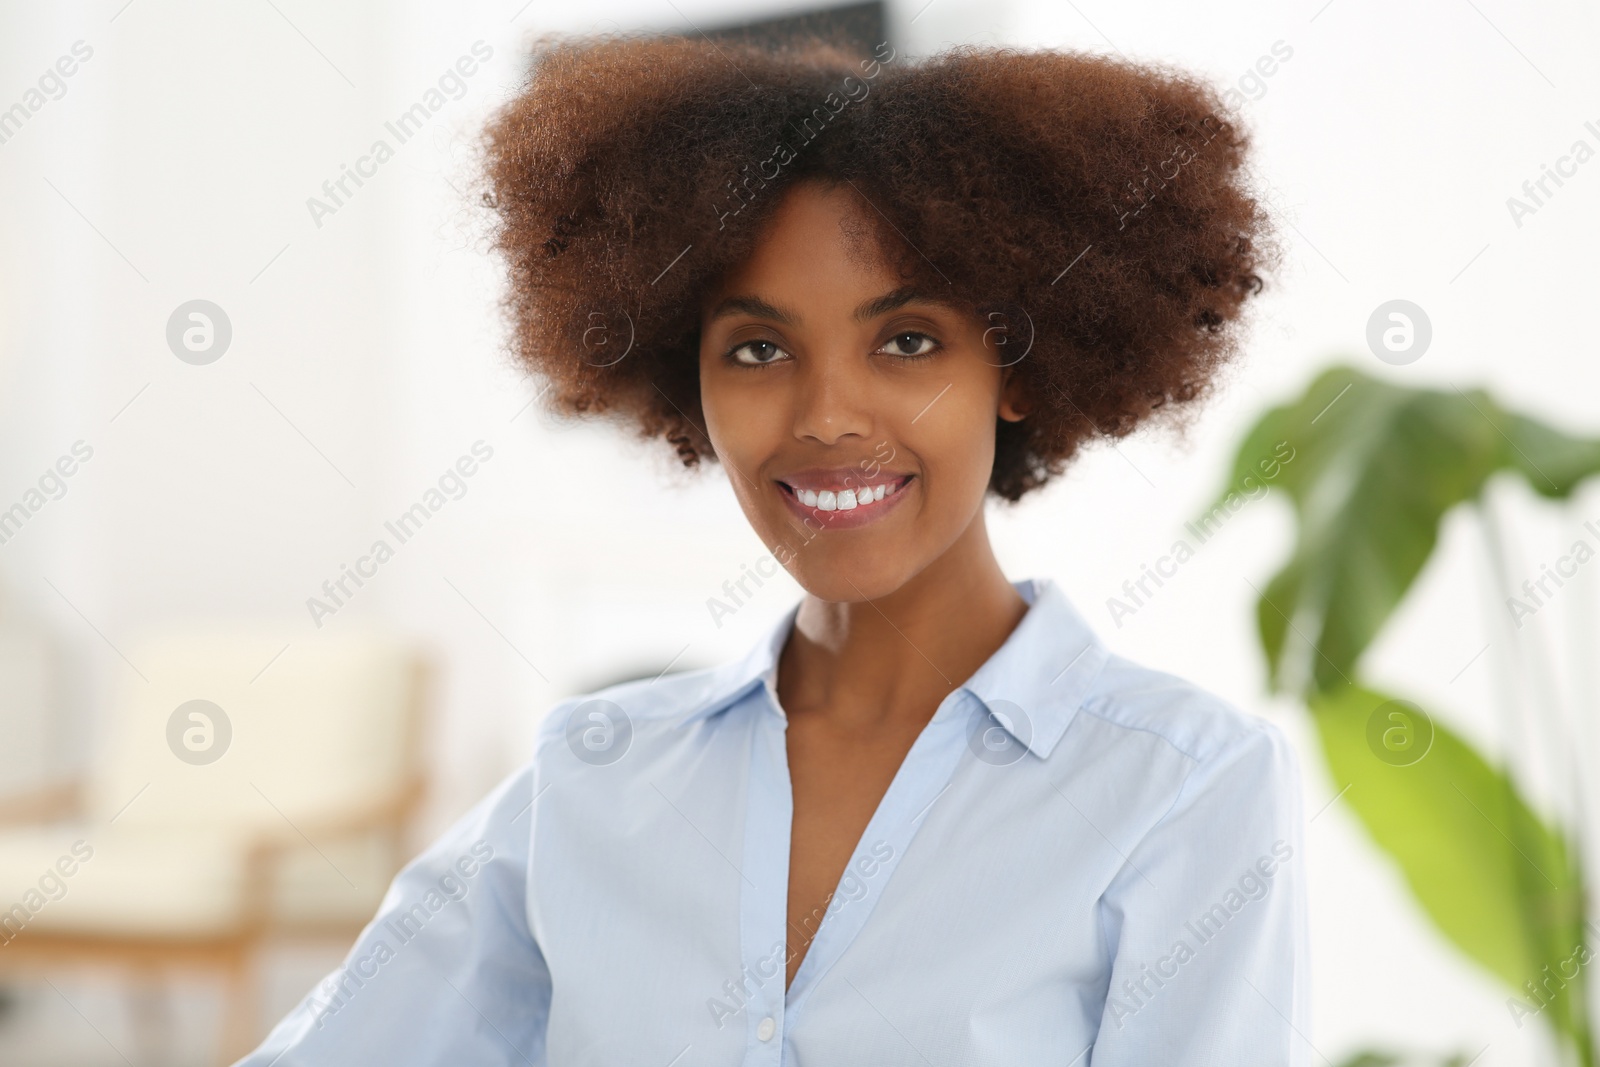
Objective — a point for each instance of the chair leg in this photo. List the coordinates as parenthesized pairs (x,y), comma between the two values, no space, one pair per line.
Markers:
(239,1034)
(150,1016)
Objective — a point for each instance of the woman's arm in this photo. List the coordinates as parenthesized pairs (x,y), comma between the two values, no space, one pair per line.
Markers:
(448,971)
(1207,921)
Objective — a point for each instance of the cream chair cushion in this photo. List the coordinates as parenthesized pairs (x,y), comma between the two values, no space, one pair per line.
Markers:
(321,734)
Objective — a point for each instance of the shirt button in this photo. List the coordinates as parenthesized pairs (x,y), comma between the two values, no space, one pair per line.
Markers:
(766,1029)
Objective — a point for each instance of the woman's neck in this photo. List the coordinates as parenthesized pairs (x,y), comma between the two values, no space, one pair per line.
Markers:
(890,661)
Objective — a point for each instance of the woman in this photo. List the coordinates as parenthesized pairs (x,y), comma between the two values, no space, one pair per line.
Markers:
(930,818)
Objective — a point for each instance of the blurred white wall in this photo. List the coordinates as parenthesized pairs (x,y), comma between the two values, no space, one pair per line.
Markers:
(176,165)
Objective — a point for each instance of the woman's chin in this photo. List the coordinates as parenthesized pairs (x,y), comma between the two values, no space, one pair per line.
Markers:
(849,576)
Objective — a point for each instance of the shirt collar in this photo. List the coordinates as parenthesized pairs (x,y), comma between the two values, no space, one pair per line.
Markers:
(725,685)
(1033,684)
(1043,672)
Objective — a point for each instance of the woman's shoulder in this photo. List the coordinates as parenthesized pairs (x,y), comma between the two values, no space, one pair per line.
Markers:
(1210,783)
(1199,724)
(651,704)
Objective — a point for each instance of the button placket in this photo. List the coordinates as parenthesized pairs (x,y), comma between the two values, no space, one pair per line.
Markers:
(917,784)
(765,881)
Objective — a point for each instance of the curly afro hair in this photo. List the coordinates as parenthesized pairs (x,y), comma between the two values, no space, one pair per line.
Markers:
(1099,205)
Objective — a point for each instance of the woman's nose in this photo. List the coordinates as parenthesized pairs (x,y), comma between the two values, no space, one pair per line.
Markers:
(833,399)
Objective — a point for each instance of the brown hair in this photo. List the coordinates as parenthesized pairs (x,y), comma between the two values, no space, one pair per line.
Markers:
(1093,209)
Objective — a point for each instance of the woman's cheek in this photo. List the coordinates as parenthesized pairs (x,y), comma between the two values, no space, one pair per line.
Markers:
(726,421)
(961,455)
(750,431)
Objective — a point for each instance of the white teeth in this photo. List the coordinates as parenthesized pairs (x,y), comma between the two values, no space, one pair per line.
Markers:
(843,499)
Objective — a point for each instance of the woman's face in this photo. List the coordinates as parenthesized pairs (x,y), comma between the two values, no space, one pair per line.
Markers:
(855,418)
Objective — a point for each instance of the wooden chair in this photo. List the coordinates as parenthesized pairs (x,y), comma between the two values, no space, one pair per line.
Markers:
(198,836)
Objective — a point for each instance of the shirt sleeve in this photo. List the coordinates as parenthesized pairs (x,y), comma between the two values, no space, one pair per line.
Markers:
(1206,922)
(448,971)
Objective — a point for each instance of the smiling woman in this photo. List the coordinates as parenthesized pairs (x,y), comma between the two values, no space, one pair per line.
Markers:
(802,399)
(998,180)
(959,827)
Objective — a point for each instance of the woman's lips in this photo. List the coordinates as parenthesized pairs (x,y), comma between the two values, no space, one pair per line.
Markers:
(842,503)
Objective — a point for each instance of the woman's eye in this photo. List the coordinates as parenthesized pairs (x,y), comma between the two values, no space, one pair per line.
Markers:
(910,345)
(757,353)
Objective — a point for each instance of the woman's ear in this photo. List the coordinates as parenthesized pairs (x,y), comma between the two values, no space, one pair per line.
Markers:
(1014,405)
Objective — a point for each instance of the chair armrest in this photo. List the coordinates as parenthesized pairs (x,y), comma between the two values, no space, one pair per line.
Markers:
(43,804)
(388,812)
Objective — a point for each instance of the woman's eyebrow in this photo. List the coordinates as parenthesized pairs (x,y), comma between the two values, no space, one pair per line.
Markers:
(759,308)
(882,305)
(753,306)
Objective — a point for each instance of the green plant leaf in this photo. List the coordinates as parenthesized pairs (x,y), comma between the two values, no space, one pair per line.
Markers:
(1371,468)
(1497,880)
(1372,1058)
(1374,467)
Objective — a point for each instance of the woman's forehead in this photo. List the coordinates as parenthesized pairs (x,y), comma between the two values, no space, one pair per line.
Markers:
(820,238)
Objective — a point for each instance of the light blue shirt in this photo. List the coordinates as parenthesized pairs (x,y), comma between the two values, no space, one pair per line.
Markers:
(1081,860)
